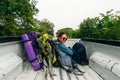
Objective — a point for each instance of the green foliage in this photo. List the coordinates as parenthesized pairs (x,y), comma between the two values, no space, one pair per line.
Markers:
(68,31)
(16,18)
(45,26)
(76,33)
(105,27)
(16,15)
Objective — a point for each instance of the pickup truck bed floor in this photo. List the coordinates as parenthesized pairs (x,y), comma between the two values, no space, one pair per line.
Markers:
(57,74)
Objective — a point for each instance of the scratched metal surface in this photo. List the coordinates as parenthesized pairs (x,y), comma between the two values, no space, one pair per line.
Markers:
(57,74)
(103,59)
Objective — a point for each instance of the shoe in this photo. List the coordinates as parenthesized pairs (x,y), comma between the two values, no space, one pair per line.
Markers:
(74,66)
(85,62)
(77,72)
(67,69)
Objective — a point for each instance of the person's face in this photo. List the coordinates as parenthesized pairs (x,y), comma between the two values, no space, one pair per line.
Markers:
(63,38)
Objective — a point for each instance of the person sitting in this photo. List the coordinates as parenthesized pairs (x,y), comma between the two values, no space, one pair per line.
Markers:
(77,52)
(62,37)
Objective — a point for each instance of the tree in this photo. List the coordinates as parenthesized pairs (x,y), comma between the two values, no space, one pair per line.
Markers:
(68,31)
(45,26)
(16,15)
(104,27)
(76,33)
(88,27)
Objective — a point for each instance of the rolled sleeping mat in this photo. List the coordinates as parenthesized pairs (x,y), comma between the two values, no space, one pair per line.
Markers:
(30,52)
(36,64)
(28,47)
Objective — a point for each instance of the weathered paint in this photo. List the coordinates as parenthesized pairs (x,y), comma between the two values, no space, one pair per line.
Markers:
(104,63)
(104,59)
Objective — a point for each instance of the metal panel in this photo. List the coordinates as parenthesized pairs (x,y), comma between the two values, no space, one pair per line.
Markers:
(104,59)
(10,65)
(57,74)
(116,69)
(100,58)
(1,74)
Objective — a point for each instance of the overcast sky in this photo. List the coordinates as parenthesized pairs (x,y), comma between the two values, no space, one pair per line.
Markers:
(69,13)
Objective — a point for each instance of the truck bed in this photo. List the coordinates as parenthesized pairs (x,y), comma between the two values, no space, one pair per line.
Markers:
(104,62)
(57,74)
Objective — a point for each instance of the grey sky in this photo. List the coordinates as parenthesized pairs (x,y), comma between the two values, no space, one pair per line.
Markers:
(69,13)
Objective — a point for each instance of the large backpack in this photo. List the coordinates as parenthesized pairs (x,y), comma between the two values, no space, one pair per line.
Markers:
(52,53)
(62,59)
(48,49)
(65,61)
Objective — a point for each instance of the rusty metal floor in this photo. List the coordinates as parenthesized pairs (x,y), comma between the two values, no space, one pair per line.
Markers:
(58,74)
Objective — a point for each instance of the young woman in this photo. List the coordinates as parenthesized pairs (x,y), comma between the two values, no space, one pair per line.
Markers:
(62,37)
(77,53)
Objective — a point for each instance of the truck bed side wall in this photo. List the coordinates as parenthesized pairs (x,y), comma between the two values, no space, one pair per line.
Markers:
(104,58)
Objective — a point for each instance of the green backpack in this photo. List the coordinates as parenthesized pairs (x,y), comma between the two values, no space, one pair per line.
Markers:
(48,50)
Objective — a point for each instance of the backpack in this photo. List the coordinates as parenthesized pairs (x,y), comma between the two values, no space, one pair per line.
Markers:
(48,49)
(79,52)
(55,61)
(65,61)
(52,53)
(62,59)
